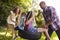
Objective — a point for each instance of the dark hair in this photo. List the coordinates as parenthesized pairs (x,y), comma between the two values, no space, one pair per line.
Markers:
(29,15)
(23,14)
(15,9)
(42,2)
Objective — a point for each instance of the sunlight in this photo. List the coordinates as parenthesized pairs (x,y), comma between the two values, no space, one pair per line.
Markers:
(55,38)
(55,4)
(3,33)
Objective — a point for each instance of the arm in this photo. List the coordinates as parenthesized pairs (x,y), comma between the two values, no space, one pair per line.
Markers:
(30,19)
(11,16)
(45,25)
(18,18)
(52,16)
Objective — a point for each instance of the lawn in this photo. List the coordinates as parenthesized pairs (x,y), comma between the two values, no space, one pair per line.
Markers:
(9,35)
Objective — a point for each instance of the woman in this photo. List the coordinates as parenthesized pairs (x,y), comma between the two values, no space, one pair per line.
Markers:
(30,25)
(11,20)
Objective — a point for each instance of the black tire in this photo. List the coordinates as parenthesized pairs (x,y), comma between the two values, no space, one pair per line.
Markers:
(29,35)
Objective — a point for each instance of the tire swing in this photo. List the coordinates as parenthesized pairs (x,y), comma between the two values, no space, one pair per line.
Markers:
(28,34)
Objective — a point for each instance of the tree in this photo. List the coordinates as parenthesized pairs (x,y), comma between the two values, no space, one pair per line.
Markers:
(7,5)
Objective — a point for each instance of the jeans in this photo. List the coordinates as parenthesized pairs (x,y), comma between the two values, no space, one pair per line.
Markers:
(50,31)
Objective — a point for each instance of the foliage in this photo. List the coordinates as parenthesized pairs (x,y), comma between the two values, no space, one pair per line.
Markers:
(7,5)
(39,18)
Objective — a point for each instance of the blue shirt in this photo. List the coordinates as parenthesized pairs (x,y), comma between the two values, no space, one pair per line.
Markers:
(20,26)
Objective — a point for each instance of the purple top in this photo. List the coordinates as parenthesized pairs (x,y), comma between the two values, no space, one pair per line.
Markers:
(49,14)
(31,24)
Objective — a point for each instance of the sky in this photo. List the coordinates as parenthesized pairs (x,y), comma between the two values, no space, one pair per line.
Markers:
(54,3)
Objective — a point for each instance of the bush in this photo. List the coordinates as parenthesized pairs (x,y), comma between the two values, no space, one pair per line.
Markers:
(7,5)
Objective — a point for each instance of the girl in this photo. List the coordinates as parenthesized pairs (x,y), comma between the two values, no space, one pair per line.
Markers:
(30,25)
(22,21)
(11,20)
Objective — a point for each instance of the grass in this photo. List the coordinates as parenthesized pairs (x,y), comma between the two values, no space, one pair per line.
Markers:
(9,35)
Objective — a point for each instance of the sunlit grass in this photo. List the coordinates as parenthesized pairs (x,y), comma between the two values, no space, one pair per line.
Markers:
(9,36)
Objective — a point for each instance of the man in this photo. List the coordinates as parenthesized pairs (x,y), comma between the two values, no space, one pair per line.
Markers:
(51,19)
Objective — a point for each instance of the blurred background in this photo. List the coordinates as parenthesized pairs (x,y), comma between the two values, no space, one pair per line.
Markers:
(25,6)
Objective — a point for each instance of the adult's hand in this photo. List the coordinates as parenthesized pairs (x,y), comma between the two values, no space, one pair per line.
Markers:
(45,26)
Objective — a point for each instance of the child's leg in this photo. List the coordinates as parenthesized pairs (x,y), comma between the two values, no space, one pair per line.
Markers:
(45,32)
(7,29)
(13,31)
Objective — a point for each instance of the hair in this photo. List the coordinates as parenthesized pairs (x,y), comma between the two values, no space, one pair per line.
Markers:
(15,9)
(23,14)
(42,2)
(29,15)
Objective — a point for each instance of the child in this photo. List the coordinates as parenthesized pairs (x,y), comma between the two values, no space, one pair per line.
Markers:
(22,21)
(30,23)
(11,20)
